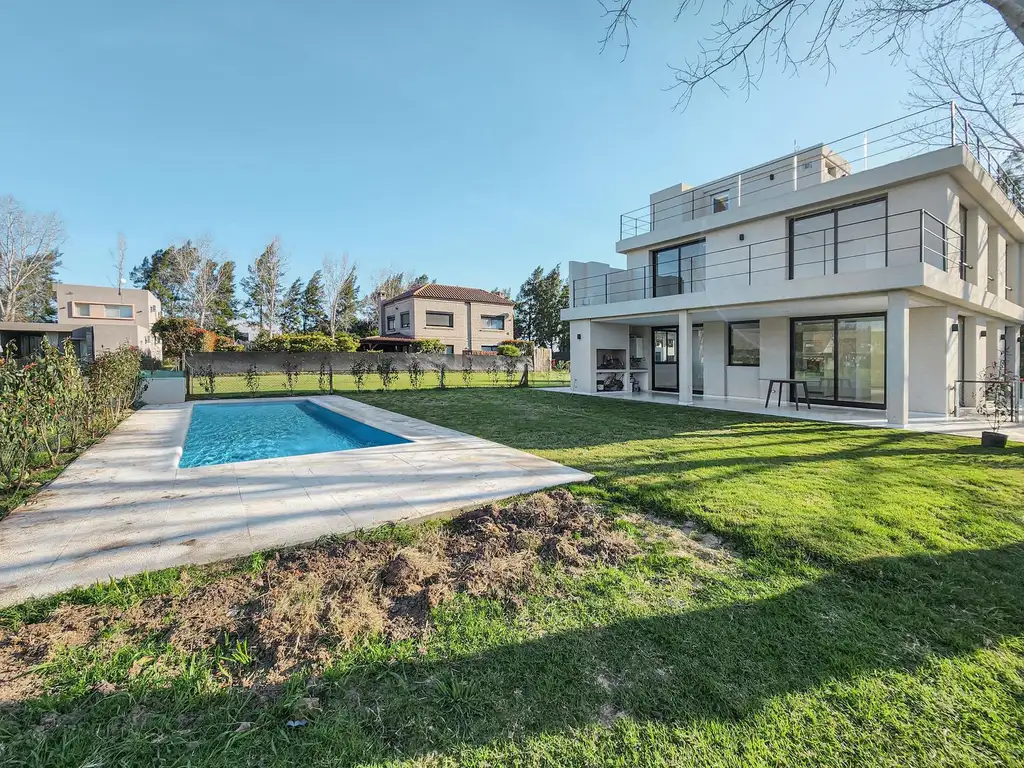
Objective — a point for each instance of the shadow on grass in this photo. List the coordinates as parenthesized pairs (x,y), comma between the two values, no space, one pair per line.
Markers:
(722,663)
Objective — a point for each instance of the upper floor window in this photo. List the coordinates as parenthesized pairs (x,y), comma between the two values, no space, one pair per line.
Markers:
(404,319)
(720,202)
(83,310)
(118,312)
(391,322)
(745,344)
(440,319)
(494,322)
(679,269)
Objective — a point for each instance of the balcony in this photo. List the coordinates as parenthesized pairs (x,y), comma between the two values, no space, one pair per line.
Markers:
(907,136)
(840,247)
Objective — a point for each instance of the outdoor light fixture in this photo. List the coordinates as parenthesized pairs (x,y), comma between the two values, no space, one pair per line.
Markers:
(954,327)
(984,334)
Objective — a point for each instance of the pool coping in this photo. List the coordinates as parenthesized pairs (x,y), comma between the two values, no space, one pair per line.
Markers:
(125,506)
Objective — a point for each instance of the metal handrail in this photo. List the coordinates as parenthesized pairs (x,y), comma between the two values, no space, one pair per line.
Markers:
(921,136)
(605,288)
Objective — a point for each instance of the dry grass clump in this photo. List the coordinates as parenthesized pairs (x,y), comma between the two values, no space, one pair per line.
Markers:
(309,600)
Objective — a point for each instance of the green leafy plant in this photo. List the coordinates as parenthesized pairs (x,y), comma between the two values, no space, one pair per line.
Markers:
(358,371)
(252,380)
(509,350)
(208,379)
(510,365)
(291,374)
(433,346)
(467,370)
(441,366)
(322,377)
(493,371)
(387,372)
(415,370)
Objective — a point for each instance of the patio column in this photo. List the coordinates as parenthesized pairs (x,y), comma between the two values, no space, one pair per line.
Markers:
(897,359)
(684,354)
(1013,350)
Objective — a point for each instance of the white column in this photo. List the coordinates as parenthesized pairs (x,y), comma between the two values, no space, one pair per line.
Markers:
(897,359)
(993,330)
(1013,351)
(684,353)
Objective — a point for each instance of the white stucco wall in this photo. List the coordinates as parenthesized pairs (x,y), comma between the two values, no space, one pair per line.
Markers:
(934,359)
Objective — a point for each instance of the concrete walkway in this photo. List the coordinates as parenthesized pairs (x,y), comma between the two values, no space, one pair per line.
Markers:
(124,506)
(969,425)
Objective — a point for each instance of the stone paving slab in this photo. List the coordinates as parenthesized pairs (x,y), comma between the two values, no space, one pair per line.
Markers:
(124,506)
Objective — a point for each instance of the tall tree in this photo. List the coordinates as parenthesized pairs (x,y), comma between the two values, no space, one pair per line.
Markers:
(225,304)
(118,258)
(386,284)
(29,255)
(262,285)
(340,292)
(195,278)
(291,308)
(150,275)
(314,318)
(538,308)
(746,37)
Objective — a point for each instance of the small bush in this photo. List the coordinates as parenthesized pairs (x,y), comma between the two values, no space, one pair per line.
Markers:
(467,370)
(358,371)
(305,342)
(387,372)
(429,345)
(291,373)
(509,350)
(494,371)
(252,380)
(415,370)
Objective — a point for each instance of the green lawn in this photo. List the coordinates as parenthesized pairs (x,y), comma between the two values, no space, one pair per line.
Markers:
(872,614)
(272,384)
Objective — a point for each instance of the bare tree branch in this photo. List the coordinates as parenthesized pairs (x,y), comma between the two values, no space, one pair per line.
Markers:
(29,245)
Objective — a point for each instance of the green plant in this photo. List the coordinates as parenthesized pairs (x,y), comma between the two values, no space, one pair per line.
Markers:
(252,380)
(178,336)
(509,350)
(322,377)
(995,396)
(208,379)
(358,371)
(429,346)
(441,366)
(291,373)
(415,369)
(467,370)
(510,365)
(387,372)
(493,371)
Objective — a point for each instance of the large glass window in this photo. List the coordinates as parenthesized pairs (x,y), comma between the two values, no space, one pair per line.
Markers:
(848,239)
(118,311)
(391,322)
(440,319)
(745,344)
(680,269)
(842,359)
(494,322)
(83,310)
(403,319)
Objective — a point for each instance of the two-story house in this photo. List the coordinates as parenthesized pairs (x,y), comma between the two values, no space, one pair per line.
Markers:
(890,287)
(95,318)
(461,318)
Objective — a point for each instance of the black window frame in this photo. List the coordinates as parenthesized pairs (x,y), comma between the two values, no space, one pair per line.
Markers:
(678,248)
(964,220)
(729,358)
(835,230)
(390,323)
(404,320)
(835,319)
(449,349)
(449,315)
(488,327)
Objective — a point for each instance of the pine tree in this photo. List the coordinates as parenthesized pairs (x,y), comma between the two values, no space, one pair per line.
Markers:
(225,307)
(314,318)
(291,308)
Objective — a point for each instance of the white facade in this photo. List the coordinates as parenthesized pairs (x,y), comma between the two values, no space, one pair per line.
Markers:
(865,284)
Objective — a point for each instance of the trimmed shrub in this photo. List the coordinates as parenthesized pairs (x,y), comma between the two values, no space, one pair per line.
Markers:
(509,350)
(429,345)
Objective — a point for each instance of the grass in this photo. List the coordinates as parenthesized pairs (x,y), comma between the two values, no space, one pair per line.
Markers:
(271,384)
(873,616)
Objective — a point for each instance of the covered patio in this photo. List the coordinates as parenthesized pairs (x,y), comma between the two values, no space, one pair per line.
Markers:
(967,425)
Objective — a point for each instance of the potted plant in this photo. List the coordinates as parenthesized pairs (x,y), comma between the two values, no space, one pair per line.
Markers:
(995,402)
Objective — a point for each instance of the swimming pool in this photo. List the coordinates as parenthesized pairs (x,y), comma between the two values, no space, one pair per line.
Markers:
(223,433)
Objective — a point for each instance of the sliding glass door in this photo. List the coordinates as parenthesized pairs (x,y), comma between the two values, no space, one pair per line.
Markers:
(666,361)
(842,359)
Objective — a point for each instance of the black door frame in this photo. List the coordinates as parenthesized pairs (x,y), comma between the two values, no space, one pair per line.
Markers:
(835,367)
(654,366)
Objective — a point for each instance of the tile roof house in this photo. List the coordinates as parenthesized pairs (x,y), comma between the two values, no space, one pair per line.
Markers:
(461,318)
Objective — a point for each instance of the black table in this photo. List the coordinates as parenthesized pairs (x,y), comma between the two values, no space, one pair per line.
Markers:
(792,383)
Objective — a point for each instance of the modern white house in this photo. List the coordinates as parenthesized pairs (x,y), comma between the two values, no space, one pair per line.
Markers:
(886,275)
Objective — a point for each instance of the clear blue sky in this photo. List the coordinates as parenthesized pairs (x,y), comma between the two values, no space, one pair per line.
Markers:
(470,139)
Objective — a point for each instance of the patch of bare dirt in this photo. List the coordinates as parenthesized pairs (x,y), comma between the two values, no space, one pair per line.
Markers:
(683,539)
(308,601)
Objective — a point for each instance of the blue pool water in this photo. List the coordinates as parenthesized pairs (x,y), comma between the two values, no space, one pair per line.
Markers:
(225,433)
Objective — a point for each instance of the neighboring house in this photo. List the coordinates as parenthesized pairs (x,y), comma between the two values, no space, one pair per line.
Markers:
(883,288)
(96,319)
(461,318)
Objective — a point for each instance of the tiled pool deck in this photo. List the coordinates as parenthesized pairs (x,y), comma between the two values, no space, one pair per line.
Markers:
(124,507)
